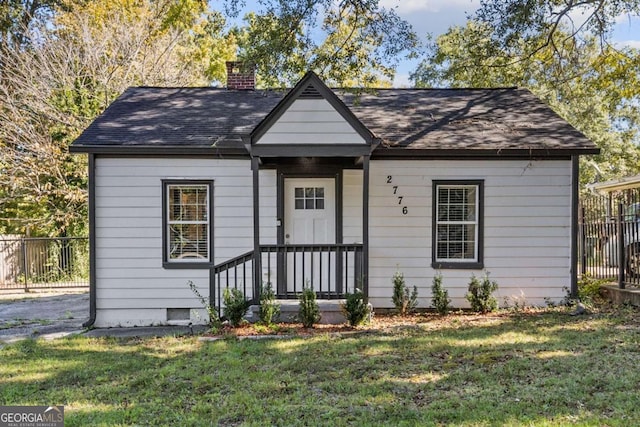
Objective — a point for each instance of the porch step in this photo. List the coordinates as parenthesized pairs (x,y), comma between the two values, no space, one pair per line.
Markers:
(329,309)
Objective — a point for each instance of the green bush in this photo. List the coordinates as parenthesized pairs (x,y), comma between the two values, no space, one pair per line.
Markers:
(235,306)
(269,309)
(480,294)
(355,308)
(589,289)
(309,311)
(214,319)
(440,296)
(404,301)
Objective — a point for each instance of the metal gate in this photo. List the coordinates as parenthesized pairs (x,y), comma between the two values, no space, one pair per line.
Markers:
(33,263)
(609,237)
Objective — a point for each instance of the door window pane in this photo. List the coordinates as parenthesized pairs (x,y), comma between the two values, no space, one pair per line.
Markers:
(309,198)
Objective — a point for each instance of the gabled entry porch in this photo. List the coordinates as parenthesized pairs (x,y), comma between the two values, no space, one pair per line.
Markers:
(311,139)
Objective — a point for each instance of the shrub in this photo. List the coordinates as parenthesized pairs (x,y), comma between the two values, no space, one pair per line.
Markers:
(355,308)
(480,294)
(235,306)
(269,309)
(309,312)
(214,319)
(440,296)
(588,292)
(589,289)
(404,302)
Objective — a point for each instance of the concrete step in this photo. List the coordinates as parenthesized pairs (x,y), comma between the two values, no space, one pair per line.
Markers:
(330,310)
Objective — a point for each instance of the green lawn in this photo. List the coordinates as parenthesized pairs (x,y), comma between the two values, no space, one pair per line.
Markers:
(538,369)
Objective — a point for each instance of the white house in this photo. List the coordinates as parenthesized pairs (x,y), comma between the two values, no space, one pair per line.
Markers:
(330,188)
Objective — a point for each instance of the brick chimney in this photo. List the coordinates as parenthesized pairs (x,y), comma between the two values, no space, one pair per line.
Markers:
(240,76)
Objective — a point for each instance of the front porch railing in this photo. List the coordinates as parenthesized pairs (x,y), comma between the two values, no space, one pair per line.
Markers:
(332,270)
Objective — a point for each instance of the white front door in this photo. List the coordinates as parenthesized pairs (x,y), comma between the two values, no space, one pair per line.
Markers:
(309,218)
(310,211)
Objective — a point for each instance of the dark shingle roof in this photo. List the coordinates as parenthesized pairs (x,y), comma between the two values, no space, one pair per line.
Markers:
(144,116)
(414,119)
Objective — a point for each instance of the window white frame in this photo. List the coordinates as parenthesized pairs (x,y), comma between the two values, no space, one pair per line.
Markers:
(453,220)
(196,252)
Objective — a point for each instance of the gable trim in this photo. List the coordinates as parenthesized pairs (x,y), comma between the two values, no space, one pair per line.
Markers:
(311,87)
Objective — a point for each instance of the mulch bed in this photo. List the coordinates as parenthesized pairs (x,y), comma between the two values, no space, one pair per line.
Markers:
(380,323)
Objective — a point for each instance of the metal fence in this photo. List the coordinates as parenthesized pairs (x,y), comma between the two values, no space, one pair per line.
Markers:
(34,263)
(609,237)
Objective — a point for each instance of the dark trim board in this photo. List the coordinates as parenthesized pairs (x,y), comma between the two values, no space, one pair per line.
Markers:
(365,226)
(309,150)
(257,255)
(294,172)
(575,181)
(280,199)
(306,164)
(476,154)
(306,167)
(462,265)
(348,150)
(165,151)
(92,243)
(187,265)
(310,79)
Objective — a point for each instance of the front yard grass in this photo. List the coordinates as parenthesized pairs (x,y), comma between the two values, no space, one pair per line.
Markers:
(540,368)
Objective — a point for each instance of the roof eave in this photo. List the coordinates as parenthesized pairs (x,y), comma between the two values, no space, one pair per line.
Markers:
(616,184)
(453,153)
(168,150)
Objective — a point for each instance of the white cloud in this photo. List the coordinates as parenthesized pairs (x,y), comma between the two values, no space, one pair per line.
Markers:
(628,43)
(627,19)
(404,7)
(435,16)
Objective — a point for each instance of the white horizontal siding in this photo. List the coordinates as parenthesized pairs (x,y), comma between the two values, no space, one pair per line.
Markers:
(268,208)
(527,228)
(352,206)
(129,270)
(311,121)
(526,232)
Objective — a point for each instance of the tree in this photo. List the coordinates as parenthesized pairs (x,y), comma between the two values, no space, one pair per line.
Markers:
(559,29)
(538,22)
(591,87)
(63,61)
(352,42)
(79,62)
(16,16)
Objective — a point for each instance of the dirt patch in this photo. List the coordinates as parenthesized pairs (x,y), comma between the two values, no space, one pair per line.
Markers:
(31,316)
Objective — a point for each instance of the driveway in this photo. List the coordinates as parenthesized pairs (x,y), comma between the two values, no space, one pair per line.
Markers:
(41,315)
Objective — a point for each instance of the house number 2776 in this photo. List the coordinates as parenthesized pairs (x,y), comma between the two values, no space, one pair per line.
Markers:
(400,198)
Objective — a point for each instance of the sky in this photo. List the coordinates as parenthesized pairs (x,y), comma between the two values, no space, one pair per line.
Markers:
(436,16)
